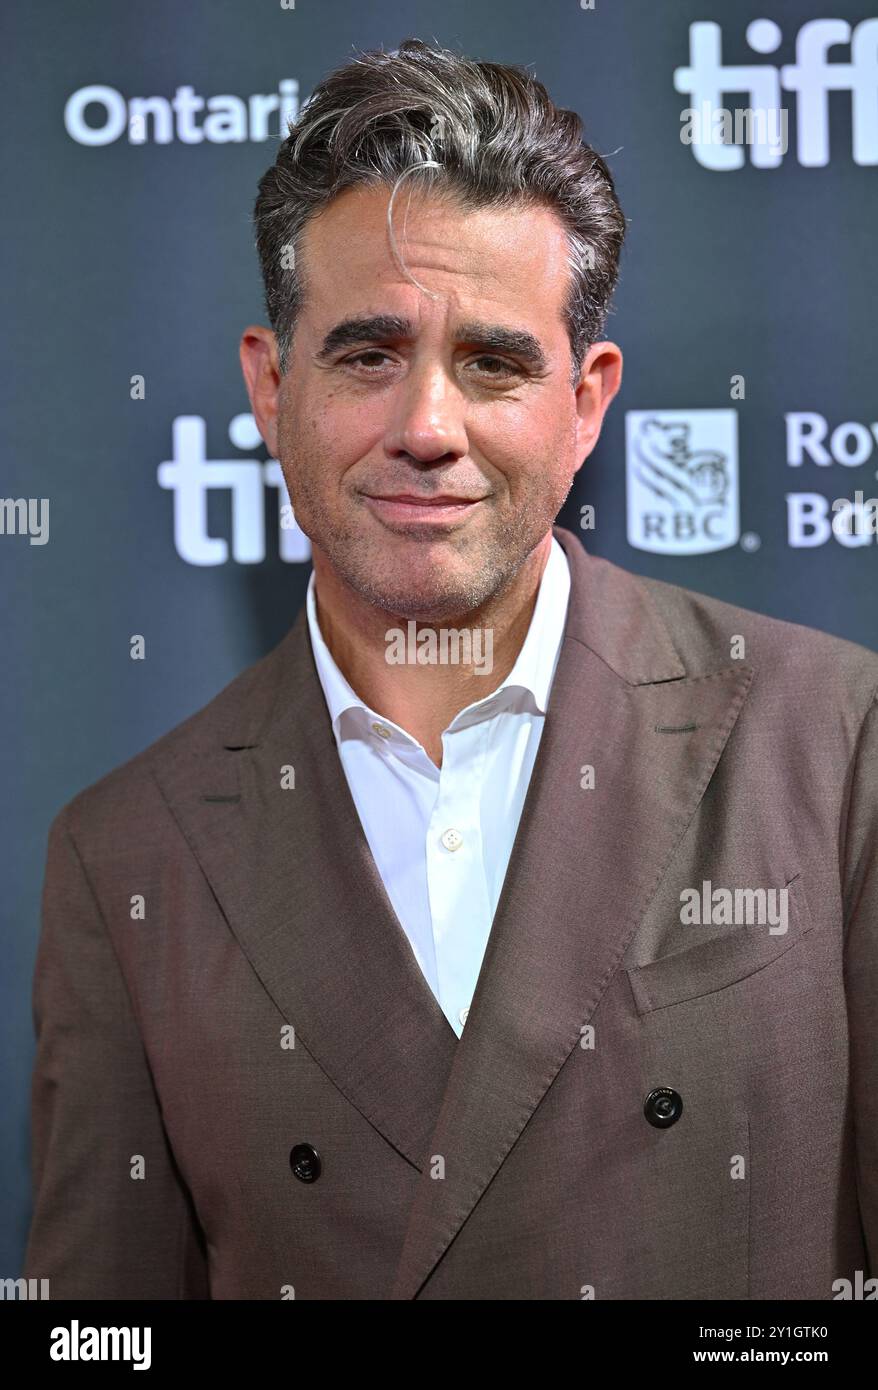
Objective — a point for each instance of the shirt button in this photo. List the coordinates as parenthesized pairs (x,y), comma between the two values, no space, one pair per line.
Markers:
(463,1015)
(382,731)
(452,839)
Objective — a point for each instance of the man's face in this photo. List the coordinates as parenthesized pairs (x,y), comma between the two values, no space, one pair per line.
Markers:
(430,406)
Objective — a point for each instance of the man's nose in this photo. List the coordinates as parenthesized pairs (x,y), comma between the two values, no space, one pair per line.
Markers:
(428,419)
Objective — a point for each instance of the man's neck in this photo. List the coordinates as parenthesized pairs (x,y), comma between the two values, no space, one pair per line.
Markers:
(423,699)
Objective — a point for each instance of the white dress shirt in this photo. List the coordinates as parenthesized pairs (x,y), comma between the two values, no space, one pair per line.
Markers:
(441,837)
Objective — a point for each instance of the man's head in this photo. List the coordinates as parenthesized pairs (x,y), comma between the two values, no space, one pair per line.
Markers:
(439,248)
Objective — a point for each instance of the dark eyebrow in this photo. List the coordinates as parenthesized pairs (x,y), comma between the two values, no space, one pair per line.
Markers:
(350,332)
(493,337)
(488,337)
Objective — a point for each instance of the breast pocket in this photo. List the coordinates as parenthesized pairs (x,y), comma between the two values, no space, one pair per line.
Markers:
(723,961)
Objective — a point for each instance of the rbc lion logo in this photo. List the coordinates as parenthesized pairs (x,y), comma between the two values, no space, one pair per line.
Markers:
(682,480)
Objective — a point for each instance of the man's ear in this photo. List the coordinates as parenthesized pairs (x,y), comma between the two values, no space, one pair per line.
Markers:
(599,380)
(259,363)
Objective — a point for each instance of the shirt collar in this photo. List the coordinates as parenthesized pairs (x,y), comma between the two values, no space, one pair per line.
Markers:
(528,683)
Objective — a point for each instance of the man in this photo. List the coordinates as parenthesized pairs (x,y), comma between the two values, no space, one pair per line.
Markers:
(550,972)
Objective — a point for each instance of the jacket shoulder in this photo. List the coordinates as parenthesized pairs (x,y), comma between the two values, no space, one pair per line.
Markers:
(703,629)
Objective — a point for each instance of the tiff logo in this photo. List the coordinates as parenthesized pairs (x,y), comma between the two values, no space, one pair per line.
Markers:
(811,77)
(190,475)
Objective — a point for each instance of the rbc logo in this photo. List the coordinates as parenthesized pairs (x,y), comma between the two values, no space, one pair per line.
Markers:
(682,480)
(190,474)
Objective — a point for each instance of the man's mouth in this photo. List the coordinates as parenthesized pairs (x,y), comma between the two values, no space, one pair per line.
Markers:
(430,510)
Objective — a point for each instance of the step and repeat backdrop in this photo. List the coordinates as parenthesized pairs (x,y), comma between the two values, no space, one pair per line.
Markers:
(136,497)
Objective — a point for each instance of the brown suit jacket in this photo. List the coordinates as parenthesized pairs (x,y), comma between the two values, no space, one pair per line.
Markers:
(524,1160)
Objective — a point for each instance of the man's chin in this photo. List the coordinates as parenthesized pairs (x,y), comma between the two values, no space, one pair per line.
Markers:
(430,581)
(433,610)
(432,603)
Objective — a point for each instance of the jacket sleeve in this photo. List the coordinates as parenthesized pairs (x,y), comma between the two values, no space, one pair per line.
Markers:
(860,877)
(97,1231)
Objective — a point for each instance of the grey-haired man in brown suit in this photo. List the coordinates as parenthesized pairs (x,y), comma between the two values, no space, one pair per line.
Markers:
(554,979)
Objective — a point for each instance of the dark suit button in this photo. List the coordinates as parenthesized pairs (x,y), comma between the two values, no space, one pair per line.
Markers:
(663,1107)
(305,1162)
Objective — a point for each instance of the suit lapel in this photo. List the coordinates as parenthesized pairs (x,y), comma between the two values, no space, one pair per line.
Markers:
(294,876)
(584,867)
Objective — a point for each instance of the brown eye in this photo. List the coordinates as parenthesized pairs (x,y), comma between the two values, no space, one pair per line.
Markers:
(505,368)
(361,356)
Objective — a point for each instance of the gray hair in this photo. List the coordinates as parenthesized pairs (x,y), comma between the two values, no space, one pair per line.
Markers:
(484,134)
